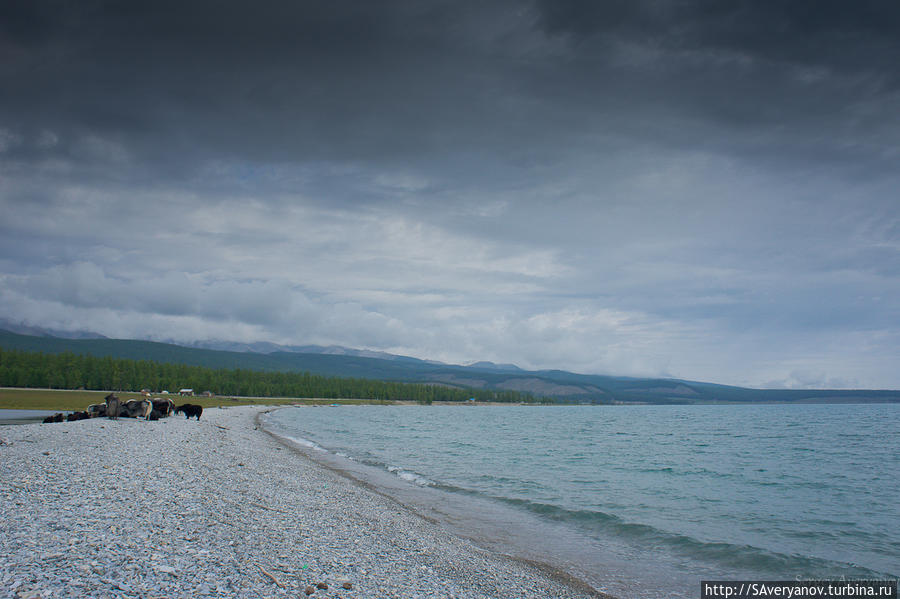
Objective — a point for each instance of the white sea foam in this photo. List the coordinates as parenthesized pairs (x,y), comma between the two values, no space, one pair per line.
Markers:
(410,476)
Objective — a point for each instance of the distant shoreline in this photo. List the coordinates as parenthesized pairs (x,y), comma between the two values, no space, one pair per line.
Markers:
(27,398)
(62,400)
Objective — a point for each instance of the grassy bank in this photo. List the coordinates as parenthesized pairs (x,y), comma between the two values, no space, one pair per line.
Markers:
(62,400)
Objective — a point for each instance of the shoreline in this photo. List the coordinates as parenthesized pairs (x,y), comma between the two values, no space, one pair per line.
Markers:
(179,508)
(554,573)
(15,417)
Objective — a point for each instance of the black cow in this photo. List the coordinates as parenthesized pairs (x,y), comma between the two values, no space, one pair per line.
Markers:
(76,416)
(55,418)
(189,410)
(163,407)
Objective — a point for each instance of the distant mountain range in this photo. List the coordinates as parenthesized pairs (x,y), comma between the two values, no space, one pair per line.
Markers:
(264,347)
(24,329)
(345,362)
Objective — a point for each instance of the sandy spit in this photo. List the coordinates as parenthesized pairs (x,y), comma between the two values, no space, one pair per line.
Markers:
(218,508)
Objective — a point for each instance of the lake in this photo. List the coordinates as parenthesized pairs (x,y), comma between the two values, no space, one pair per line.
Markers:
(639,501)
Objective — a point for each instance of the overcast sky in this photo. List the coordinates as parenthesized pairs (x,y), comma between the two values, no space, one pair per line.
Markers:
(697,189)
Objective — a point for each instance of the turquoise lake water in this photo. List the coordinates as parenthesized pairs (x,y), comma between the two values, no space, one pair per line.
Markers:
(643,500)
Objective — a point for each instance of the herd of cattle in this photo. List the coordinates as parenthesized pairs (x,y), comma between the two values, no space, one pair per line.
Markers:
(113,407)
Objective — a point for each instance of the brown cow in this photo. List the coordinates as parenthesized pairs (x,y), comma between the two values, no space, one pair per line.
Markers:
(113,406)
(165,407)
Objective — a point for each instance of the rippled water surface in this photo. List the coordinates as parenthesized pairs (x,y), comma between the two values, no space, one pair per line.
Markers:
(689,492)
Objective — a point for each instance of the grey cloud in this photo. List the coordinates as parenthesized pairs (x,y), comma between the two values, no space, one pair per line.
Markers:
(295,80)
(428,82)
(828,34)
(693,188)
(774,73)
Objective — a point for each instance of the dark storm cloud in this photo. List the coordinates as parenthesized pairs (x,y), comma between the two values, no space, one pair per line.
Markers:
(698,188)
(276,82)
(805,81)
(826,33)
(409,81)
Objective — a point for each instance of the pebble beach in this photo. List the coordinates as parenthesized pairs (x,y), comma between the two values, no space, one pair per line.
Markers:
(220,508)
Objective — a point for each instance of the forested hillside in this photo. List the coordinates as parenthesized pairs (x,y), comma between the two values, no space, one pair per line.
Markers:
(482,380)
(72,371)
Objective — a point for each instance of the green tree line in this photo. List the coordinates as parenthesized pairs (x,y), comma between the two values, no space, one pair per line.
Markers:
(75,371)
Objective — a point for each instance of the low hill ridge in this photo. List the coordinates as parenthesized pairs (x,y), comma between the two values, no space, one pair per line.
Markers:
(559,384)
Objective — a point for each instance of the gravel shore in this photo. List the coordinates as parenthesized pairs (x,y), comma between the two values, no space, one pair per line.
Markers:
(218,508)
